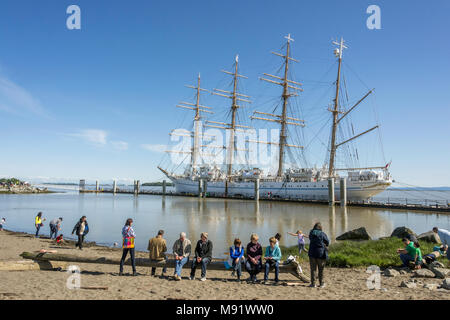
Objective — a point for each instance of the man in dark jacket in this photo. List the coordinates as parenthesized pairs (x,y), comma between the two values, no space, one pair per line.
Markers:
(81,229)
(203,255)
(318,253)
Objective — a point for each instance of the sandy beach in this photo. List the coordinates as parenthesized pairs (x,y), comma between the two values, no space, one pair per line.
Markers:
(345,283)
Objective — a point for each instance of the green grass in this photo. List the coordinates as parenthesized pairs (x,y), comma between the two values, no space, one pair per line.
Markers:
(382,253)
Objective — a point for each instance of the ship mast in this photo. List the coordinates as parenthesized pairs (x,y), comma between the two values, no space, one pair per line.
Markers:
(283,118)
(335,111)
(231,127)
(196,133)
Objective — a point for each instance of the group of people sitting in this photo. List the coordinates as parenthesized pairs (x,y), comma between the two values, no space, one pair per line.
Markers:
(412,254)
(251,257)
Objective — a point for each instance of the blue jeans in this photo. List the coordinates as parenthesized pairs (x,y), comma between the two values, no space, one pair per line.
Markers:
(133,260)
(179,265)
(237,267)
(38,227)
(253,269)
(53,230)
(269,265)
(406,258)
(204,263)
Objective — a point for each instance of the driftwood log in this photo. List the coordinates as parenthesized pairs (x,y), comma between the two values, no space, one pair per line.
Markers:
(27,265)
(292,268)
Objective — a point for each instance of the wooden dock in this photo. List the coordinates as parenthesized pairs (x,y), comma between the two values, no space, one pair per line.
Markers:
(366,204)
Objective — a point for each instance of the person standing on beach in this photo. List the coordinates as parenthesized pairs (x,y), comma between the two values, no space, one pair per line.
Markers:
(157,248)
(128,235)
(272,257)
(301,240)
(203,255)
(181,251)
(81,229)
(253,264)
(318,253)
(444,235)
(55,226)
(38,223)
(236,255)
(2,222)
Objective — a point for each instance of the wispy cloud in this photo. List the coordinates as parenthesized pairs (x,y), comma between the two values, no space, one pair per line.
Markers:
(15,99)
(159,148)
(93,136)
(120,145)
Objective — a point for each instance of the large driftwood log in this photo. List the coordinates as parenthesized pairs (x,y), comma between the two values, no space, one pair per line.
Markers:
(292,268)
(27,265)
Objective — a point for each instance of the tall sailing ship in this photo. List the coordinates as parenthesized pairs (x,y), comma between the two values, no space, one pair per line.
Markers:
(300,183)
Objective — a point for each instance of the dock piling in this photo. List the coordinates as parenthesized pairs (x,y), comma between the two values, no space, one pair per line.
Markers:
(82,185)
(114,186)
(257,189)
(200,187)
(164,187)
(97,186)
(343,189)
(205,187)
(331,191)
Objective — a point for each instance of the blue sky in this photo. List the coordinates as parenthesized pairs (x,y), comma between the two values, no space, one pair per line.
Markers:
(98,103)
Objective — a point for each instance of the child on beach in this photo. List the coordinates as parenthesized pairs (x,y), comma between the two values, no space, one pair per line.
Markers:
(418,258)
(236,255)
(38,223)
(2,222)
(59,239)
(301,240)
(272,257)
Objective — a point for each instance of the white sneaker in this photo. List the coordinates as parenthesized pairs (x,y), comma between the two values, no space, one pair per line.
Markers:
(191,278)
(203,279)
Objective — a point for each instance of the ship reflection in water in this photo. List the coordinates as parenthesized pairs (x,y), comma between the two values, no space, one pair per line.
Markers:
(223,219)
(228,219)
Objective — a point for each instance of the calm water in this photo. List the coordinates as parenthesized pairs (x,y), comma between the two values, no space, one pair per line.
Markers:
(222,219)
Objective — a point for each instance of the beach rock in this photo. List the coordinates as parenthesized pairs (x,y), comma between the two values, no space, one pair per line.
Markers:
(423,273)
(430,286)
(440,273)
(436,264)
(391,273)
(408,284)
(446,284)
(429,237)
(357,234)
(404,232)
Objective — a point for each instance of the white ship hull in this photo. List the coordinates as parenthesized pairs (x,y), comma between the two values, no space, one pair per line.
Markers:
(356,191)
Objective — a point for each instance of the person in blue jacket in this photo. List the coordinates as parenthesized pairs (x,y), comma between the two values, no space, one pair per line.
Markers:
(236,255)
(318,253)
(272,257)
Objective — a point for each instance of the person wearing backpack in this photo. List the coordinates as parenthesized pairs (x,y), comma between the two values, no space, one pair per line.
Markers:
(128,235)
(318,253)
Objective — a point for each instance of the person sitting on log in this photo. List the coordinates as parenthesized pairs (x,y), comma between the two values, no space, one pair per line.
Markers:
(181,251)
(157,248)
(203,255)
(236,256)
(253,264)
(272,257)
